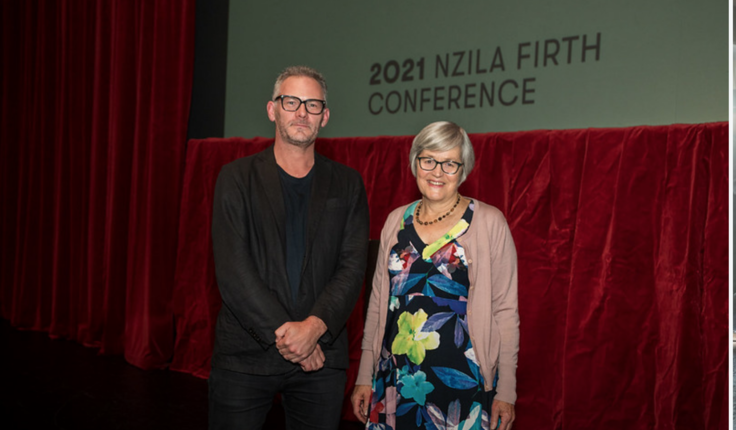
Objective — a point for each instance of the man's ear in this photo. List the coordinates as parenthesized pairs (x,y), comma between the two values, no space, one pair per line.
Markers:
(270,108)
(325,117)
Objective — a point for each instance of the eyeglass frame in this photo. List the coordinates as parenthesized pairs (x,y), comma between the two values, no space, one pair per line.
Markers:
(441,164)
(301,102)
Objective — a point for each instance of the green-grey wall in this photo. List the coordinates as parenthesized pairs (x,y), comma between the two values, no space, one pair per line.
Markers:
(648,62)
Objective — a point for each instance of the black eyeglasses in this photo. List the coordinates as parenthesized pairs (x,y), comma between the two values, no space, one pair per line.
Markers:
(428,163)
(292,104)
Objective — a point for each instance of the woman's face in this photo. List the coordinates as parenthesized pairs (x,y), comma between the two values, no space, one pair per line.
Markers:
(436,185)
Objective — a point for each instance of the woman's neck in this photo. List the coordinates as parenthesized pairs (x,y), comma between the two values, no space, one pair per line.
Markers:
(435,209)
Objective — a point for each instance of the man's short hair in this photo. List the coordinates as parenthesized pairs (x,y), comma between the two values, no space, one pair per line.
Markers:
(299,71)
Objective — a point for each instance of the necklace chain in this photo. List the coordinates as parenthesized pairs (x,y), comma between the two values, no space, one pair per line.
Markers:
(438,219)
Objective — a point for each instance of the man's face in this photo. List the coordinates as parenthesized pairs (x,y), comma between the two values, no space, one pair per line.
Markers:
(298,128)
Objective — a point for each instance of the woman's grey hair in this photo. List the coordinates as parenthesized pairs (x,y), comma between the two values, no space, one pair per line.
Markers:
(299,71)
(443,136)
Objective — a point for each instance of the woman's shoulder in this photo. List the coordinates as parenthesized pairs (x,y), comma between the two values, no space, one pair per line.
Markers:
(488,223)
(393,221)
(487,213)
(396,216)
(399,212)
(487,218)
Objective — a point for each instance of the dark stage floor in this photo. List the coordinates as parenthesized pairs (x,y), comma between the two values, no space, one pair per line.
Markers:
(58,384)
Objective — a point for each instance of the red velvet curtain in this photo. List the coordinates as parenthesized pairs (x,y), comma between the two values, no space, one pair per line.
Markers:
(622,238)
(95,102)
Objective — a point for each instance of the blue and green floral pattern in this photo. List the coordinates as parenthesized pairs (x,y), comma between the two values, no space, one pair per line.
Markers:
(427,375)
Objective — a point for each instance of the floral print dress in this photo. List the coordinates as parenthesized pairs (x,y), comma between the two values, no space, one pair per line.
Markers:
(427,375)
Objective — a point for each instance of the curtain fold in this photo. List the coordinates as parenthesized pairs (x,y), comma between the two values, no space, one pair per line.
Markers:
(622,240)
(94,114)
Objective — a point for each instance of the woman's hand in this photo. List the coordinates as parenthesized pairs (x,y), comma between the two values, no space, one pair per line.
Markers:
(361,398)
(502,410)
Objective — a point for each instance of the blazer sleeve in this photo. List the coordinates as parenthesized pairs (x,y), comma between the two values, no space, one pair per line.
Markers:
(256,308)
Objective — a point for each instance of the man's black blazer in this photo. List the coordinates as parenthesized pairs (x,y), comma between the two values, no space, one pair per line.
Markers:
(248,237)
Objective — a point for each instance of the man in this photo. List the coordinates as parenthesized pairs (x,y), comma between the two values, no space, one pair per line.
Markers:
(290,238)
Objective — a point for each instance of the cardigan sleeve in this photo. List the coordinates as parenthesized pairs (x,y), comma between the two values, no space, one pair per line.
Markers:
(373,314)
(505,305)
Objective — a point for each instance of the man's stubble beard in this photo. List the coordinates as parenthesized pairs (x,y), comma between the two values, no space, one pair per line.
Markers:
(303,143)
(292,140)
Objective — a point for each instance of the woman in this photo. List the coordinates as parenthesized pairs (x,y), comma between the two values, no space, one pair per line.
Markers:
(442,329)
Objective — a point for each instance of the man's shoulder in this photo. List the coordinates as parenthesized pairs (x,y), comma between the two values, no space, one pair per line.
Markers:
(340,170)
(250,160)
(243,168)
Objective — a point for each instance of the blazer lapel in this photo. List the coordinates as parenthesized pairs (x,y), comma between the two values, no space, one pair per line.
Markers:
(267,170)
(318,199)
